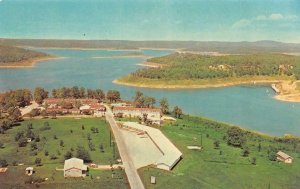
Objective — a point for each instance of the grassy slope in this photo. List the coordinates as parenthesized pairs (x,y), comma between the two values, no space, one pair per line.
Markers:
(61,128)
(209,169)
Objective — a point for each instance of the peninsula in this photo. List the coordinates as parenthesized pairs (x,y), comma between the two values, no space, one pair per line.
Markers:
(188,70)
(15,57)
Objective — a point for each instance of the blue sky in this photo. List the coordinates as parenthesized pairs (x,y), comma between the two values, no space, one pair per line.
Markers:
(227,20)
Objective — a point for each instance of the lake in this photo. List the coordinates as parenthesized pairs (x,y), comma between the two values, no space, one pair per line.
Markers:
(251,107)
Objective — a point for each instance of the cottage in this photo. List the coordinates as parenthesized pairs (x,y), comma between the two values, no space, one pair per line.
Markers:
(74,167)
(281,156)
(153,114)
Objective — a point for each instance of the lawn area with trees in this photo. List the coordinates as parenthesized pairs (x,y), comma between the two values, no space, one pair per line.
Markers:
(53,141)
(231,158)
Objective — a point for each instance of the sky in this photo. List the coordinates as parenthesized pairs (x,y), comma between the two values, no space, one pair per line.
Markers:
(193,20)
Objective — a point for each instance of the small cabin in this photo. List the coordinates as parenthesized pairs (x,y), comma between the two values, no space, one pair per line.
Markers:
(281,156)
(153,180)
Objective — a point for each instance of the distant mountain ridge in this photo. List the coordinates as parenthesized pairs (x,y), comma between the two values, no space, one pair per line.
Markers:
(204,46)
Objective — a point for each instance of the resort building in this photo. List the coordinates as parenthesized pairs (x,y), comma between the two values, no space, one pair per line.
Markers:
(281,156)
(74,167)
(153,114)
(75,106)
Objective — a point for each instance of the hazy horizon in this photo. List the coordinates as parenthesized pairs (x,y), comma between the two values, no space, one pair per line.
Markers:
(138,20)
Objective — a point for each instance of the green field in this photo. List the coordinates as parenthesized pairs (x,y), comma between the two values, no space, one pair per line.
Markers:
(70,131)
(208,169)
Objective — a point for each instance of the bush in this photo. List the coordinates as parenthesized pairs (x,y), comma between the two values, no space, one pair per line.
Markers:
(235,137)
(1,145)
(53,157)
(253,161)
(38,161)
(3,163)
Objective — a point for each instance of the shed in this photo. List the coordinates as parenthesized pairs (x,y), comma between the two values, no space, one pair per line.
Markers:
(153,180)
(29,171)
(281,156)
(74,167)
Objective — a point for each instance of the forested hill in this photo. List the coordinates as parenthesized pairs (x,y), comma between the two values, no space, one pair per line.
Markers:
(206,46)
(9,54)
(183,66)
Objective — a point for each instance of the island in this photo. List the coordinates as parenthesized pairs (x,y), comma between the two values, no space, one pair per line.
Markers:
(16,57)
(198,70)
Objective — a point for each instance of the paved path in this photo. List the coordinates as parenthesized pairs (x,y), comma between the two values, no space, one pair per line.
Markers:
(132,174)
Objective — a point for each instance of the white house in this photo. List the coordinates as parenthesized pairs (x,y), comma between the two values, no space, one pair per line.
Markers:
(74,167)
(153,114)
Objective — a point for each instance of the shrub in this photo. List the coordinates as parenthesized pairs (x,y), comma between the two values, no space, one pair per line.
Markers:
(235,137)
(3,163)
(38,161)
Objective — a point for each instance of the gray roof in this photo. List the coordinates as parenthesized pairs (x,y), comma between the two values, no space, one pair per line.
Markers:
(74,163)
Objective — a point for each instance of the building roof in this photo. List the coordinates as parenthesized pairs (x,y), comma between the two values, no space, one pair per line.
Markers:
(29,169)
(137,109)
(70,100)
(74,163)
(283,155)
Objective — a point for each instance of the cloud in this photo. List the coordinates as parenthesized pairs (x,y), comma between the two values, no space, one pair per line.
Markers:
(264,18)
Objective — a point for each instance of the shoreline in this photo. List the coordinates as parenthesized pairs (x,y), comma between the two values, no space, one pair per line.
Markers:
(124,56)
(196,86)
(290,97)
(30,63)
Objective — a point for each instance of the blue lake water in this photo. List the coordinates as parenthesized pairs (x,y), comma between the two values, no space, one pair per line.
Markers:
(247,106)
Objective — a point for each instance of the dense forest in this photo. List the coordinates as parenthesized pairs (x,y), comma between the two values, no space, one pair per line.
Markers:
(202,46)
(9,54)
(185,66)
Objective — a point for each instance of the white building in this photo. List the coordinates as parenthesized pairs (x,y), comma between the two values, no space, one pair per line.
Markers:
(74,167)
(281,156)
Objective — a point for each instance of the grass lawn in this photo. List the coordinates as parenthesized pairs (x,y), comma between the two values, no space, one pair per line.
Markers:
(209,169)
(70,131)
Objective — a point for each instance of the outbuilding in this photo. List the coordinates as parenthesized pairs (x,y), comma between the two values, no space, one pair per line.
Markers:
(281,156)
(75,167)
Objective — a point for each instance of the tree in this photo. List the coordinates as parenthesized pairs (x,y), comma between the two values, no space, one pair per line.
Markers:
(113,95)
(99,94)
(46,153)
(82,153)
(38,161)
(101,148)
(259,147)
(68,155)
(235,137)
(22,142)
(216,144)
(61,143)
(40,94)
(1,145)
(138,95)
(14,114)
(253,161)
(177,111)
(164,105)
(246,152)
(33,146)
(3,163)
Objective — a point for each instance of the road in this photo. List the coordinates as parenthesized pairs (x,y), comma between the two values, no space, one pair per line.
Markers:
(134,179)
